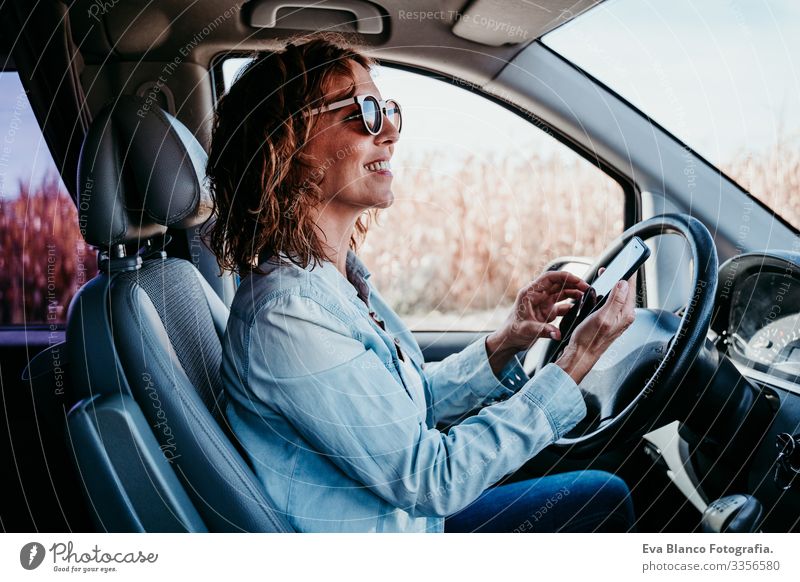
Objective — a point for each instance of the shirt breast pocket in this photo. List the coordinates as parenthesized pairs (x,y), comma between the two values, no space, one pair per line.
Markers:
(403,370)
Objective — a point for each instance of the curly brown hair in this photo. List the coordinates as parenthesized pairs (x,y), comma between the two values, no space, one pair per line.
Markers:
(263,186)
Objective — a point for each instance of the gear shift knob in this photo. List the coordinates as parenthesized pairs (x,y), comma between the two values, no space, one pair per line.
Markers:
(732,514)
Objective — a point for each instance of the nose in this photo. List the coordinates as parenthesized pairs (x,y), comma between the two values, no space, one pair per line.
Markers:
(388,134)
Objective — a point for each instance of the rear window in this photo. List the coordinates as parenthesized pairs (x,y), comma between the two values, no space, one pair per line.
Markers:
(43,258)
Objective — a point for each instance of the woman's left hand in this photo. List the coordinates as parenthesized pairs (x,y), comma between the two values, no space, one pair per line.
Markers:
(537,304)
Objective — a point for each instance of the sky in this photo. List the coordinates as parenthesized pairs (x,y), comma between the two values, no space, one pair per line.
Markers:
(23,152)
(723,75)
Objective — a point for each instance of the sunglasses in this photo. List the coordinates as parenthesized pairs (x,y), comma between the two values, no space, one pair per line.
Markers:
(371,111)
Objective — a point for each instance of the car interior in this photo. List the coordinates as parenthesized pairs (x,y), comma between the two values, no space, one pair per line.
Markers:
(113,421)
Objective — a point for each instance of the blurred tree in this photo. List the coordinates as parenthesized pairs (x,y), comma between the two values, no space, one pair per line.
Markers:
(43,259)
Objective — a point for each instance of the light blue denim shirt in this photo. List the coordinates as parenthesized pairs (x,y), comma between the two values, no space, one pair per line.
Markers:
(337,432)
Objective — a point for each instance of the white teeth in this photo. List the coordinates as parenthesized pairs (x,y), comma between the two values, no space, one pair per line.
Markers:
(378,166)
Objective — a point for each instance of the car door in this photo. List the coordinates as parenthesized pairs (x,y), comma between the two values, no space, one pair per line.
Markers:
(43,261)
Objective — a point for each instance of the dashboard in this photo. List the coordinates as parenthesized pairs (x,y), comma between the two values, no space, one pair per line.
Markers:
(744,415)
(758,312)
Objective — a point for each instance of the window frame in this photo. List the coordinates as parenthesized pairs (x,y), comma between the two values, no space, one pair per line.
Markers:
(14,334)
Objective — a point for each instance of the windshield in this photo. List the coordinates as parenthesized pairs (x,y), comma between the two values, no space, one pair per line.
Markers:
(720,75)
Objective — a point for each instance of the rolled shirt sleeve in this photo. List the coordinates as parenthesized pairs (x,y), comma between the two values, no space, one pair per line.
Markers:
(465,381)
(351,409)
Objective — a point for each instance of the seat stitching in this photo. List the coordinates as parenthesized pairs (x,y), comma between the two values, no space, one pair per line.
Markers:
(192,408)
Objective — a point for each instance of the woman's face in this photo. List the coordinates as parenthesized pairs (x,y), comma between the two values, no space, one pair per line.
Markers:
(346,155)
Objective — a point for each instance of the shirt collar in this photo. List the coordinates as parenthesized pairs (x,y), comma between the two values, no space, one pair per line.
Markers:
(353,286)
(357,275)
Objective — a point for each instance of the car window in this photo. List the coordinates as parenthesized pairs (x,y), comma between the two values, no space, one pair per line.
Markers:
(43,259)
(719,75)
(483,201)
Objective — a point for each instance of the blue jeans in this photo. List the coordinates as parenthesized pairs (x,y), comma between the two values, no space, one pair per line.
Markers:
(579,501)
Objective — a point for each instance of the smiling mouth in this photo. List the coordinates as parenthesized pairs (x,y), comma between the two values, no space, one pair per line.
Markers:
(378,166)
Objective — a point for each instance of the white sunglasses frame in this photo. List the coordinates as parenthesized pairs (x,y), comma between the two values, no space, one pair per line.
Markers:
(359,100)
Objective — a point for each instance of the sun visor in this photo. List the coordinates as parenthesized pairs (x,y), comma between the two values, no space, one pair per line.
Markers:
(499,22)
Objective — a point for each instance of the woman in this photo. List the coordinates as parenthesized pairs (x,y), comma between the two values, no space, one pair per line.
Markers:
(328,394)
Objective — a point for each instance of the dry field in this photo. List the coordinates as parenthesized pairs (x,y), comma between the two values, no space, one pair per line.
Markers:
(456,246)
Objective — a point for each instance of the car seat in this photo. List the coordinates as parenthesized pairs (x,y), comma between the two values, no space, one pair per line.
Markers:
(148,431)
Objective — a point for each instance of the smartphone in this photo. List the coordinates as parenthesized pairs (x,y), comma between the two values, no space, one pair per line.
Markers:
(626,263)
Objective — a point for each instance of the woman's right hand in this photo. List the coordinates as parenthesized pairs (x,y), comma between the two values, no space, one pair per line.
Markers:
(598,331)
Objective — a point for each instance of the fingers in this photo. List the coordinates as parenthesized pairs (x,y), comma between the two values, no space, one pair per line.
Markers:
(621,304)
(616,301)
(537,330)
(611,320)
(553,280)
(569,294)
(550,331)
(543,291)
(632,292)
(561,309)
(620,293)
(603,327)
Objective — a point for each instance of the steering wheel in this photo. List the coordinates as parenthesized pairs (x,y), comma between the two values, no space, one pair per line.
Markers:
(627,390)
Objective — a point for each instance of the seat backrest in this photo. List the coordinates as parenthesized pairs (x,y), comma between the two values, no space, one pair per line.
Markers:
(144,338)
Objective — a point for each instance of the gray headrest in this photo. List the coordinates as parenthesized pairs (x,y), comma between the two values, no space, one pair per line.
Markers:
(140,171)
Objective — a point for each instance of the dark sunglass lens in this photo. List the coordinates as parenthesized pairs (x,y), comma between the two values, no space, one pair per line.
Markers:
(372,114)
(393,113)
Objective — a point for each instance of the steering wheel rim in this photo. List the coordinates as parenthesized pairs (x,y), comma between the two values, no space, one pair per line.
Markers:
(669,341)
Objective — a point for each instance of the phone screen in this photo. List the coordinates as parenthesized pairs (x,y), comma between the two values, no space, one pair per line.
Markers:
(622,266)
(619,267)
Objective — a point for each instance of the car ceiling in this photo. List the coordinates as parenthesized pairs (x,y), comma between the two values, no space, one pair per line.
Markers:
(414,31)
